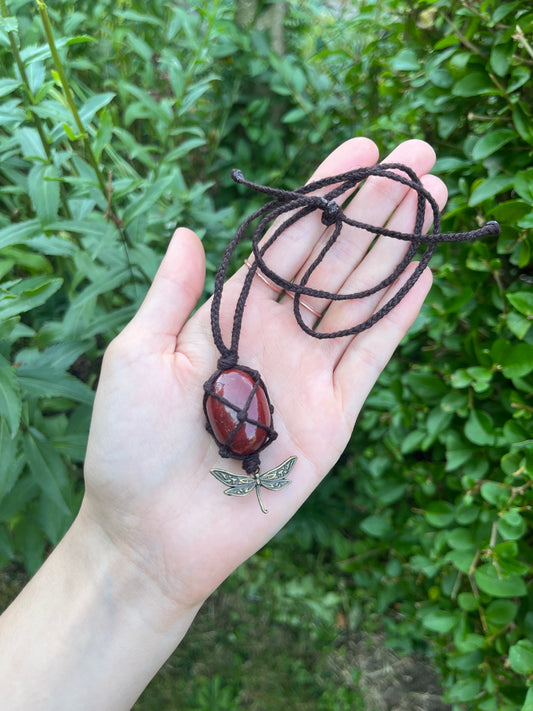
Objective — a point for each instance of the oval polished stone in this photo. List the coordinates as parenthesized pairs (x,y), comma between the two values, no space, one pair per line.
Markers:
(235,386)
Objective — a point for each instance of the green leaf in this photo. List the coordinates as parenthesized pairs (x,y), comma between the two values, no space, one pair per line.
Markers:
(486,577)
(30,143)
(461,539)
(466,513)
(10,399)
(39,382)
(8,85)
(10,464)
(492,142)
(528,702)
(464,690)
(522,123)
(438,421)
(519,76)
(495,494)
(439,514)
(490,187)
(295,115)
(523,184)
(519,325)
(19,232)
(94,104)
(71,134)
(27,294)
(467,601)
(479,428)
(33,546)
(149,197)
(9,24)
(517,361)
(43,187)
(458,452)
(474,84)
(461,559)
(500,58)
(511,525)
(521,657)
(376,526)
(413,441)
(503,10)
(440,621)
(24,490)
(185,148)
(427,386)
(500,613)
(11,113)
(47,468)
(405,61)
(522,301)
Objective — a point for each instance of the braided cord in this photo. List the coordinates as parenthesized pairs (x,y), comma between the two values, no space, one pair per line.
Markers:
(300,203)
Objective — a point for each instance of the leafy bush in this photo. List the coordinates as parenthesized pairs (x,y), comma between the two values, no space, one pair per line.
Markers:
(127,123)
(444,448)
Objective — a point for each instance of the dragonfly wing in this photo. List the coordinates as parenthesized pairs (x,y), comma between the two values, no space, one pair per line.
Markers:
(275,485)
(230,479)
(241,489)
(239,484)
(277,474)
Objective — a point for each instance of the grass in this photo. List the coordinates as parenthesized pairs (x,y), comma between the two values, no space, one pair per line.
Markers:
(241,655)
(237,657)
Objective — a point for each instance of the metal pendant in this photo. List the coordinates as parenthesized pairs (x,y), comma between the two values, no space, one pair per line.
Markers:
(242,484)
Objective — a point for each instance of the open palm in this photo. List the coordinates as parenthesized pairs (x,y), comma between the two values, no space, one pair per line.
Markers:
(148,484)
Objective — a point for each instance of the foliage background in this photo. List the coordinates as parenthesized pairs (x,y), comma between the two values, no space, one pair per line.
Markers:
(127,125)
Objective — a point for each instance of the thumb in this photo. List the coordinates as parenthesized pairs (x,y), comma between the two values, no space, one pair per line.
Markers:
(176,288)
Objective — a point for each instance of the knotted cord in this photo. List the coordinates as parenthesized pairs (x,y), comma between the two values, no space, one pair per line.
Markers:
(302,202)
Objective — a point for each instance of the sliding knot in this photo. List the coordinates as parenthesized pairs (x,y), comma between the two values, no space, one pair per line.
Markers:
(330,212)
(228,361)
(287,207)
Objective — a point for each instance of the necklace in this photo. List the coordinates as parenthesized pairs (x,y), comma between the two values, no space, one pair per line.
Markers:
(237,407)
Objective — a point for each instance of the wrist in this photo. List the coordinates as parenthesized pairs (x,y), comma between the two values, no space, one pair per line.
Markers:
(88,631)
(127,584)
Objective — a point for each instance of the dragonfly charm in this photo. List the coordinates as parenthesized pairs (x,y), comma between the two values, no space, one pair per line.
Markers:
(242,484)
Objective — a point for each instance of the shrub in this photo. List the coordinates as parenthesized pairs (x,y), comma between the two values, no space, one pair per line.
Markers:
(443,452)
(127,123)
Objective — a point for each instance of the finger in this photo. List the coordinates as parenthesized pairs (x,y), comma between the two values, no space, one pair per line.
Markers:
(288,253)
(176,288)
(373,204)
(369,352)
(380,262)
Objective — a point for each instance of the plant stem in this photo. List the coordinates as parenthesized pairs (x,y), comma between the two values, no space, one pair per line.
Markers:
(68,94)
(29,101)
(103,184)
(520,37)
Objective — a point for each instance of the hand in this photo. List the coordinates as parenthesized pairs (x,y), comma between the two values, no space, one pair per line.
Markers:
(148,486)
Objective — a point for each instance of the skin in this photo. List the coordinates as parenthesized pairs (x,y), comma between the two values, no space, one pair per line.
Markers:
(155,535)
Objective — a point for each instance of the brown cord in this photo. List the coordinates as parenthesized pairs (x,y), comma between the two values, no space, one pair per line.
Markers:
(301,202)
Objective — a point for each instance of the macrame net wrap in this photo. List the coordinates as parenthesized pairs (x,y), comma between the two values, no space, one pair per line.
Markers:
(302,202)
(250,462)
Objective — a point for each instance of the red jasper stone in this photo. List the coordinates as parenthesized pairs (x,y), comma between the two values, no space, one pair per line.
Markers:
(235,386)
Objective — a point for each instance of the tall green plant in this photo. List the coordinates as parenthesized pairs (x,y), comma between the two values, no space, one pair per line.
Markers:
(117,125)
